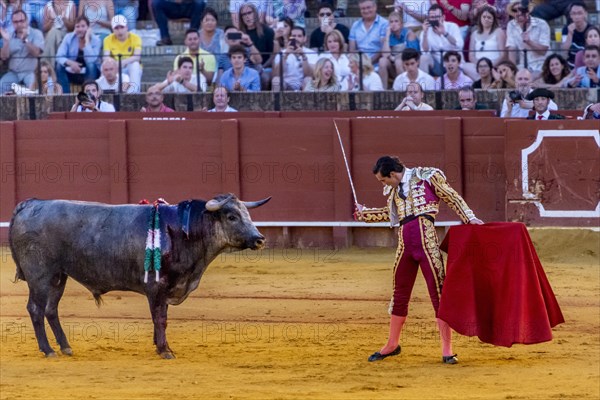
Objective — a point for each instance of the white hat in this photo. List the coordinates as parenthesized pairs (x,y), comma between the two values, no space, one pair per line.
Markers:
(118,20)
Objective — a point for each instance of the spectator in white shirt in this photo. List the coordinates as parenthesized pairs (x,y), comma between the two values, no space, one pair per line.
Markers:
(414,99)
(221,100)
(298,63)
(412,72)
(371,81)
(515,104)
(438,36)
(180,81)
(89,99)
(109,78)
(335,51)
(525,32)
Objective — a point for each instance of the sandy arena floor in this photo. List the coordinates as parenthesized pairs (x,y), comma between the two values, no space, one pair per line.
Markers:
(284,324)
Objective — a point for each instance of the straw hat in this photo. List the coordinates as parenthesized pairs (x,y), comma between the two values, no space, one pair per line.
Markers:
(514,5)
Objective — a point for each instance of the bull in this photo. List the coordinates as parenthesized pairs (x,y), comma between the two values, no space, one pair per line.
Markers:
(102,247)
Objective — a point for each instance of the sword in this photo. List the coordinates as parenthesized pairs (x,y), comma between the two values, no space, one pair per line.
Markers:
(346,162)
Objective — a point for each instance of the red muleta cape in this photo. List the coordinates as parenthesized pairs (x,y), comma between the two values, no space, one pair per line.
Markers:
(495,286)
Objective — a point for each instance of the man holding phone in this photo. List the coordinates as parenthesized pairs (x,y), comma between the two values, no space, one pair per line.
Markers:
(298,63)
(207,63)
(326,24)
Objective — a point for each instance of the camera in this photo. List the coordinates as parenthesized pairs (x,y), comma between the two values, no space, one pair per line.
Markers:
(434,23)
(234,36)
(515,95)
(84,97)
(293,43)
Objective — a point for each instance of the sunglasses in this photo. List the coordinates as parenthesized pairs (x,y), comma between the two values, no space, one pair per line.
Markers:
(247,13)
(325,14)
(482,46)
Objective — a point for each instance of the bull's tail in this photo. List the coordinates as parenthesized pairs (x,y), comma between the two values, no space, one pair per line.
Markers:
(19,272)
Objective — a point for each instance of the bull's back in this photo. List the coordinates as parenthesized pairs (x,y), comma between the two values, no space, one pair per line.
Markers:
(92,242)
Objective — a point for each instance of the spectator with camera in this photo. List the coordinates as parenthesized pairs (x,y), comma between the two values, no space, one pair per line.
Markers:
(180,80)
(327,23)
(588,75)
(437,37)
(88,100)
(234,37)
(239,77)
(414,99)
(128,46)
(412,73)
(528,33)
(155,101)
(109,79)
(77,57)
(297,64)
(368,33)
(541,98)
(207,63)
(164,10)
(515,104)
(454,78)
(21,48)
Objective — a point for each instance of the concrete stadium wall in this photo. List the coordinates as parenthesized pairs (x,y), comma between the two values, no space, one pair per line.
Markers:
(298,161)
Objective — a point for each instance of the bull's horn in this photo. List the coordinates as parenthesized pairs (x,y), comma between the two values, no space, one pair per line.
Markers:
(254,204)
(215,205)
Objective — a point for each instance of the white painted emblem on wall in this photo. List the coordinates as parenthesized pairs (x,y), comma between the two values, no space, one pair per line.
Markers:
(595,134)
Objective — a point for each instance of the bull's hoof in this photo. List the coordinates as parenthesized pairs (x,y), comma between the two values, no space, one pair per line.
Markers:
(51,354)
(67,351)
(167,355)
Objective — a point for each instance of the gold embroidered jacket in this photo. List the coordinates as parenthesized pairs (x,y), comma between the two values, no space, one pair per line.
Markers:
(426,187)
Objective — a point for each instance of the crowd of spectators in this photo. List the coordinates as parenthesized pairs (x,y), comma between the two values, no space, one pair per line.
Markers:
(420,45)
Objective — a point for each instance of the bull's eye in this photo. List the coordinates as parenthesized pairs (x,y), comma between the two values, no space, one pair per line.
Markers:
(232,217)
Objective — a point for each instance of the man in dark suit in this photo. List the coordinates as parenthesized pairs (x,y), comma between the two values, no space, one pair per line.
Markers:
(541,98)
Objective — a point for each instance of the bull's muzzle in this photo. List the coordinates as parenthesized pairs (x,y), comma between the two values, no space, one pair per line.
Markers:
(258,242)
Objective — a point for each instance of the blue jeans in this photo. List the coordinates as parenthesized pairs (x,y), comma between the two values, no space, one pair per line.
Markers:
(128,9)
(164,10)
(65,78)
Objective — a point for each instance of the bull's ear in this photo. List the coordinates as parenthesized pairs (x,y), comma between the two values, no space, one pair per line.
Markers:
(254,204)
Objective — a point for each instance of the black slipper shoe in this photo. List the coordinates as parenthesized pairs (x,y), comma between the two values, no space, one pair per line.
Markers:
(378,356)
(453,359)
